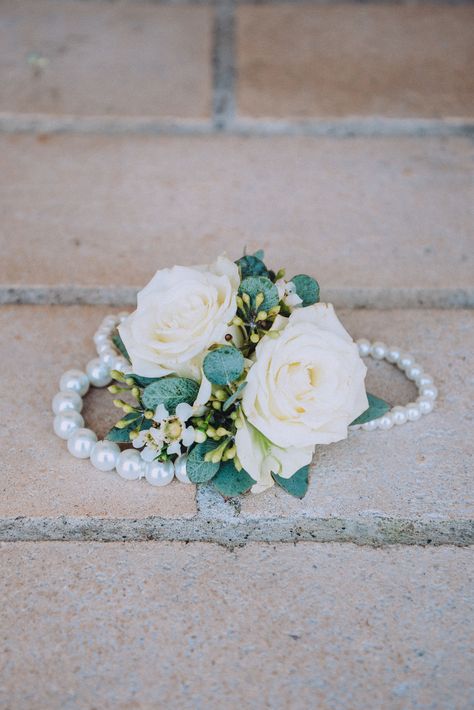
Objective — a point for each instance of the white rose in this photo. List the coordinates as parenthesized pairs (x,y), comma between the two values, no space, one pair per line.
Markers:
(180,313)
(307,385)
(260,457)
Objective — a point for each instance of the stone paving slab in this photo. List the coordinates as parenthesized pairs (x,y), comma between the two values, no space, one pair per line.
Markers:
(107,211)
(38,476)
(196,626)
(105,59)
(395,60)
(412,484)
(421,471)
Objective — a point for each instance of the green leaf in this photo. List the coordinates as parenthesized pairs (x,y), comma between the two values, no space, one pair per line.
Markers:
(297,485)
(377,408)
(199,470)
(122,436)
(231,482)
(170,391)
(307,289)
(260,284)
(252,265)
(223,365)
(233,397)
(259,254)
(119,344)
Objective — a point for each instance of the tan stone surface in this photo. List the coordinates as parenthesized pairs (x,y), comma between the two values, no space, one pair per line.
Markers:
(304,61)
(422,470)
(195,626)
(96,210)
(38,476)
(125,58)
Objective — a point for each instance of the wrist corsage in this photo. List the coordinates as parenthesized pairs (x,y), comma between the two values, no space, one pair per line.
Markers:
(229,374)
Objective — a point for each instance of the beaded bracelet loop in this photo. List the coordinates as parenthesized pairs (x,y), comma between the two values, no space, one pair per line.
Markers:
(106,455)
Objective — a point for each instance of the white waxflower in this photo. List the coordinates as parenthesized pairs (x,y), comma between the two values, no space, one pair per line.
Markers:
(152,440)
(179,314)
(173,427)
(287,293)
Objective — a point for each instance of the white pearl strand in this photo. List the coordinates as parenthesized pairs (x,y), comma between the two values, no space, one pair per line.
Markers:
(107,456)
(82,442)
(413,371)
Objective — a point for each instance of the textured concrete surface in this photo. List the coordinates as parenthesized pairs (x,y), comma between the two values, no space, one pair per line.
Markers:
(38,476)
(422,470)
(128,58)
(412,484)
(195,626)
(102,211)
(305,61)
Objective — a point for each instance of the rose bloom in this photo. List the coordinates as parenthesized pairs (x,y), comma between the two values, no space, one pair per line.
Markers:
(180,313)
(305,387)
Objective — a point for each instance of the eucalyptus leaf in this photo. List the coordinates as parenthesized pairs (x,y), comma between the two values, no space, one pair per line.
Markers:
(119,344)
(307,289)
(223,365)
(259,254)
(230,482)
(142,381)
(233,397)
(254,285)
(377,408)
(199,470)
(297,485)
(252,265)
(170,391)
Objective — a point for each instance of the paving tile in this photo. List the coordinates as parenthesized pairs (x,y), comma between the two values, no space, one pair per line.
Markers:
(195,626)
(38,476)
(98,210)
(398,60)
(420,471)
(105,59)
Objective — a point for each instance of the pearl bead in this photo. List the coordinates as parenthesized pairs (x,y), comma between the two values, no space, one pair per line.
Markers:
(414,371)
(426,405)
(98,373)
(429,392)
(364,347)
(385,422)
(413,412)
(378,350)
(74,381)
(406,360)
(67,402)
(399,415)
(104,347)
(81,443)
(370,426)
(108,357)
(100,338)
(65,424)
(109,322)
(130,465)
(393,355)
(159,473)
(123,315)
(424,380)
(105,455)
(180,469)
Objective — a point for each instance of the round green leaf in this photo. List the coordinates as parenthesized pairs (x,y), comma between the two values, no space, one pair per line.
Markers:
(199,470)
(307,289)
(223,365)
(230,482)
(170,391)
(252,266)
(254,285)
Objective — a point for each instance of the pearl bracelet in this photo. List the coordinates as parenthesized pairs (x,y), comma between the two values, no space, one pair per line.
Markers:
(106,455)
(413,371)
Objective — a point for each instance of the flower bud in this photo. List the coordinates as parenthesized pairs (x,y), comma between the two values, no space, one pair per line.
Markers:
(254,338)
(262,315)
(149,414)
(199,436)
(221,395)
(259,299)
